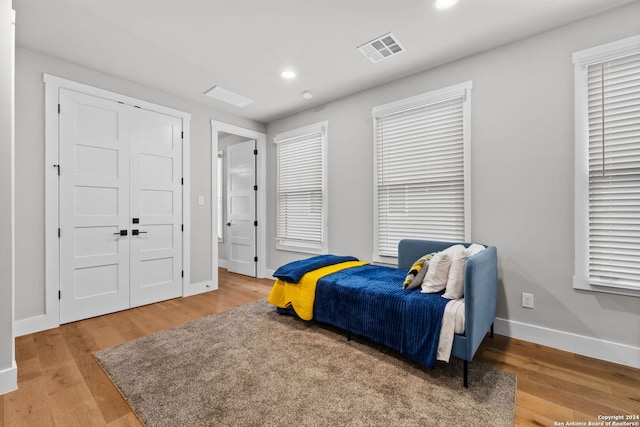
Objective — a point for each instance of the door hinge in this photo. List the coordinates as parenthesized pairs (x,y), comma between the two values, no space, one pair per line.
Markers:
(59,233)
(255,259)
(255,152)
(182,227)
(182,273)
(181,135)
(59,295)
(255,188)
(58,108)
(255,223)
(181,181)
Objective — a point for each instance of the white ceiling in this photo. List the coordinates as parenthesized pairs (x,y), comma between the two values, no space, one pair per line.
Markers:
(185,47)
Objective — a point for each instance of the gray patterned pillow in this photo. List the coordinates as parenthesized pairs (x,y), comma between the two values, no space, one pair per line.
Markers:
(417,272)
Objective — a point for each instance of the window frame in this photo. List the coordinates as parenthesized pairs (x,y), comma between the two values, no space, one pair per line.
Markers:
(289,137)
(461,90)
(583,59)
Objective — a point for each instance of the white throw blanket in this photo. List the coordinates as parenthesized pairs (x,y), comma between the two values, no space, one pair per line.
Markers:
(452,323)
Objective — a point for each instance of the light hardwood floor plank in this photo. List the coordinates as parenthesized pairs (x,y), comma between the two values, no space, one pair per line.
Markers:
(61,384)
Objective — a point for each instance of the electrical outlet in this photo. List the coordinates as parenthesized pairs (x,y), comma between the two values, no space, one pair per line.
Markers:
(527,300)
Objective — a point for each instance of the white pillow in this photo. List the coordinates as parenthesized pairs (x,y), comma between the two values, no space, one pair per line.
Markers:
(455,280)
(438,272)
(474,249)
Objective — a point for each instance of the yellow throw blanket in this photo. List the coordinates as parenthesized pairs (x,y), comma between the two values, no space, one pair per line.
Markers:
(301,295)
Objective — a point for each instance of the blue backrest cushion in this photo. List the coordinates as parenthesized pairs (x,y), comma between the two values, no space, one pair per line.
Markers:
(410,250)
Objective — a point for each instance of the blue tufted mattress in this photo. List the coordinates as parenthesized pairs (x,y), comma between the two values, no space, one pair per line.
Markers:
(369,301)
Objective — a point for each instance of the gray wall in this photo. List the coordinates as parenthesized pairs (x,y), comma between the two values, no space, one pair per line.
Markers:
(522,171)
(6,251)
(30,169)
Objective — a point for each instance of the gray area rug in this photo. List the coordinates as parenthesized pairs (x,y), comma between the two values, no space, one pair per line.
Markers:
(252,367)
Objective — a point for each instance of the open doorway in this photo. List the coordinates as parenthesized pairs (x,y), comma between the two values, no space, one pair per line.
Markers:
(237,208)
(239,201)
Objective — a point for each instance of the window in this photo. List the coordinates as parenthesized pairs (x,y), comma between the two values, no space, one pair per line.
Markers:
(301,189)
(607,193)
(422,167)
(220,203)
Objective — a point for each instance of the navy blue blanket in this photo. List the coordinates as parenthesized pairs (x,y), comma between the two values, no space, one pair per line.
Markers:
(293,271)
(369,301)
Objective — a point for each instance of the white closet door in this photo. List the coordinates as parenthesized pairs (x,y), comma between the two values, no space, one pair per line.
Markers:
(156,203)
(94,206)
(241,208)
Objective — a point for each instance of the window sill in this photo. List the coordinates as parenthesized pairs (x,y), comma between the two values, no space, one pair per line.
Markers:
(313,250)
(583,285)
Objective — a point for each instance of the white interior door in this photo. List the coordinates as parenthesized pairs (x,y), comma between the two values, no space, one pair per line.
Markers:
(241,208)
(156,207)
(94,206)
(120,206)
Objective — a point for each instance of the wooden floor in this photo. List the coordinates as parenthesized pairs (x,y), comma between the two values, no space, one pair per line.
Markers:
(60,384)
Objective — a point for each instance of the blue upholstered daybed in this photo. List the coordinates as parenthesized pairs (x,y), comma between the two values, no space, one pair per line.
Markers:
(480,293)
(369,300)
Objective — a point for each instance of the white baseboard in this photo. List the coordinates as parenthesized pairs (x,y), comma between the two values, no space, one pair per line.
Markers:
(223,263)
(198,288)
(566,341)
(44,322)
(269,273)
(34,324)
(9,379)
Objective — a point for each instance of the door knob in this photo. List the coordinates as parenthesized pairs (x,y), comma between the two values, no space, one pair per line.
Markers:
(136,232)
(229,224)
(121,233)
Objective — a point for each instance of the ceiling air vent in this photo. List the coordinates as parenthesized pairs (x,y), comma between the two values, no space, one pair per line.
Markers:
(381,48)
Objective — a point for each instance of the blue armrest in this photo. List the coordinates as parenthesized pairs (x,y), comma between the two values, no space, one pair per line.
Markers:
(480,297)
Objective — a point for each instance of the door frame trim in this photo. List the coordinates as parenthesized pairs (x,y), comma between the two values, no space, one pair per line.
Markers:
(53,84)
(261,197)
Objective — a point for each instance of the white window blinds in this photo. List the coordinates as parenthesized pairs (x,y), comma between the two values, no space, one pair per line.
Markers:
(301,189)
(422,169)
(613,100)
(607,168)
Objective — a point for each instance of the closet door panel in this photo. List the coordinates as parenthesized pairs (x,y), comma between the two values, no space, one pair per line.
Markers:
(94,206)
(156,205)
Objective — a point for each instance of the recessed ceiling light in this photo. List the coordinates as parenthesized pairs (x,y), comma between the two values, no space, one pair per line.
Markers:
(288,74)
(307,94)
(445,4)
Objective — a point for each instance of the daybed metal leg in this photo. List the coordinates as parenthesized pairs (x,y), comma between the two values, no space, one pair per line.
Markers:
(348,335)
(491,334)
(466,374)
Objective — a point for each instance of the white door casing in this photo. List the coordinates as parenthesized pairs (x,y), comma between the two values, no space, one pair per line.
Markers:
(94,208)
(156,207)
(261,198)
(241,208)
(50,316)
